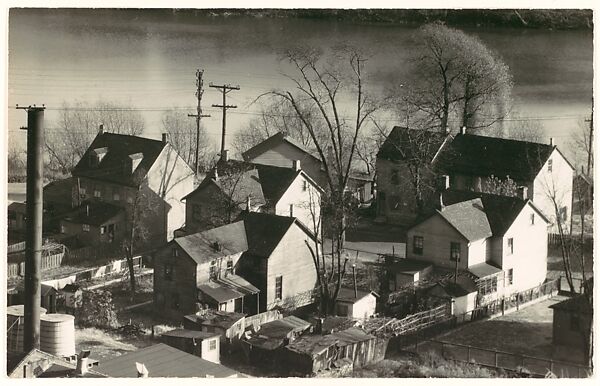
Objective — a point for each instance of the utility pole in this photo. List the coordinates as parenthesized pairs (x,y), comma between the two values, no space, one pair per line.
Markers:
(33,237)
(590,140)
(198,115)
(225,89)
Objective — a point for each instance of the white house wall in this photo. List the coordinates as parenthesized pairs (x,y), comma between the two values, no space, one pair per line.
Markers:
(364,308)
(530,257)
(303,201)
(478,252)
(171,178)
(558,183)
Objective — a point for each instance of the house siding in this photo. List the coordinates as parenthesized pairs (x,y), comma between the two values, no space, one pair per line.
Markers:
(395,202)
(437,235)
(292,260)
(305,202)
(283,154)
(93,237)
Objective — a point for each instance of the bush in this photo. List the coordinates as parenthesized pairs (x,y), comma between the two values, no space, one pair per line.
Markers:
(97,310)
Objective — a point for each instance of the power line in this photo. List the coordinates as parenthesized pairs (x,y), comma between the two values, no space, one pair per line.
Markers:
(198,115)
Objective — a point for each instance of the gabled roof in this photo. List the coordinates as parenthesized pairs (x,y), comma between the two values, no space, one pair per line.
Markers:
(501,211)
(265,231)
(93,213)
(201,247)
(113,166)
(270,143)
(468,218)
(275,181)
(485,156)
(47,365)
(162,360)
(405,144)
(347,295)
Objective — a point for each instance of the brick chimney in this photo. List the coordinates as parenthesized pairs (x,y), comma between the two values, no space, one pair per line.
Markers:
(551,141)
(444,182)
(296,165)
(82,363)
(164,137)
(142,371)
(101,129)
(225,155)
(463,130)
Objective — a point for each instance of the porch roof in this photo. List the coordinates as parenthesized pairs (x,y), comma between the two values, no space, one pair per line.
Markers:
(482,270)
(219,292)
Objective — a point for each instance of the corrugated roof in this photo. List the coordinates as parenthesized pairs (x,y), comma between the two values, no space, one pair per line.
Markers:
(468,218)
(162,360)
(482,270)
(219,292)
(93,213)
(231,239)
(114,165)
(192,334)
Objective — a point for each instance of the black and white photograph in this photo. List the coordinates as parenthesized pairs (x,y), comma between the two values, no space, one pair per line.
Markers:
(318,191)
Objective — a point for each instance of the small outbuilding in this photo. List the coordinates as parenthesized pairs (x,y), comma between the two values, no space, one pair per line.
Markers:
(356,304)
(461,293)
(73,296)
(571,324)
(205,345)
(404,272)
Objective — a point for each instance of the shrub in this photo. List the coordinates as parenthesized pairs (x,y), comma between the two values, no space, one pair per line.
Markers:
(97,310)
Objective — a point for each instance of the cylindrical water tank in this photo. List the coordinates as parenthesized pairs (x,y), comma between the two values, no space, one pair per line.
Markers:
(57,334)
(15,325)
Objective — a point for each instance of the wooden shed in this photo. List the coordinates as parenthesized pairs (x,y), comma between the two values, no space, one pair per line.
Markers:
(356,304)
(571,324)
(48,296)
(206,345)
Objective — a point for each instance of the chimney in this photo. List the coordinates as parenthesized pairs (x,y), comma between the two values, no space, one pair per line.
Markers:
(215,174)
(444,182)
(142,371)
(354,277)
(551,141)
(248,207)
(82,363)
(296,165)
(101,129)
(463,130)
(522,192)
(441,203)
(87,210)
(225,155)
(164,138)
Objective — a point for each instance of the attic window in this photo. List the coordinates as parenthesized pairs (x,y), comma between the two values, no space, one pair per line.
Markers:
(550,165)
(97,155)
(135,160)
(217,246)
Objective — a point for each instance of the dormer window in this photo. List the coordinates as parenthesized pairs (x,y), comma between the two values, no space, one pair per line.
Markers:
(135,160)
(97,155)
(217,246)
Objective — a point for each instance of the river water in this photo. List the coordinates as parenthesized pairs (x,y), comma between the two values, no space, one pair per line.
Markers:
(148,59)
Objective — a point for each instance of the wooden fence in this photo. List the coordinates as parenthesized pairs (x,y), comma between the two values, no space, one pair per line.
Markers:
(52,257)
(93,253)
(18,247)
(505,360)
(410,324)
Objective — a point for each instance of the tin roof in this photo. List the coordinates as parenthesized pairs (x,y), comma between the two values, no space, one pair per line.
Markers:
(162,360)
(316,344)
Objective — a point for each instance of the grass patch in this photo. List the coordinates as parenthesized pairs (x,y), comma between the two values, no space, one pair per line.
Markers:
(101,343)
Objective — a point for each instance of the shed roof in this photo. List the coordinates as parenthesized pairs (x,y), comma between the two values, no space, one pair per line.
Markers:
(162,360)
(119,148)
(281,327)
(201,247)
(221,319)
(482,270)
(238,283)
(219,292)
(406,265)
(315,344)
(464,285)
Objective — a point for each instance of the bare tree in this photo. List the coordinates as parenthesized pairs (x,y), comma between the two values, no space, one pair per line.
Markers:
(78,124)
(319,85)
(16,164)
(582,143)
(182,136)
(497,186)
(455,75)
(368,145)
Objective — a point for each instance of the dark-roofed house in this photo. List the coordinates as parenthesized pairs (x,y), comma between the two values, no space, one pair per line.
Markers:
(571,323)
(355,304)
(129,172)
(469,160)
(233,186)
(94,223)
(254,264)
(206,345)
(164,361)
(502,241)
(282,150)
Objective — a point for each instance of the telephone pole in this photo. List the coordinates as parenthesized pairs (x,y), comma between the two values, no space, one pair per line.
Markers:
(225,89)
(198,115)
(33,237)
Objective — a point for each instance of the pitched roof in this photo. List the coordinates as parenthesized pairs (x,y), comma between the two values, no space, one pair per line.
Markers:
(275,181)
(408,266)
(93,213)
(59,191)
(468,218)
(485,156)
(281,327)
(347,295)
(405,144)
(48,365)
(501,211)
(265,231)
(271,142)
(113,166)
(230,239)
(237,283)
(578,304)
(162,360)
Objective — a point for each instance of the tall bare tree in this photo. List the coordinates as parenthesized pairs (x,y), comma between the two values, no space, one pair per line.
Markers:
(320,82)
(77,125)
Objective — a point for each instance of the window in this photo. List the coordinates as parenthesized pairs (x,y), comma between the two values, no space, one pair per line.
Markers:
(454,251)
(511,246)
(63,229)
(278,287)
(532,219)
(222,306)
(418,245)
(175,252)
(196,212)
(230,266)
(168,272)
(117,196)
(342,310)
(575,322)
(291,210)
(395,178)
(102,230)
(97,194)
(85,227)
(550,165)
(212,272)
(175,301)
(509,276)
(212,344)
(488,285)
(304,185)
(82,192)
